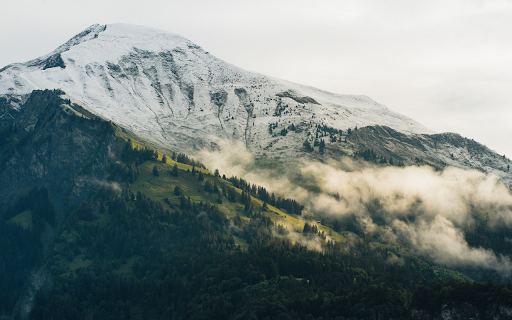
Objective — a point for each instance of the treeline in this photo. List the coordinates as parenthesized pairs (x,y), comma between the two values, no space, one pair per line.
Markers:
(321,131)
(182,158)
(132,157)
(370,156)
(131,154)
(290,205)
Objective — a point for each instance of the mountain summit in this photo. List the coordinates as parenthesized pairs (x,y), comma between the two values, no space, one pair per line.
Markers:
(172,93)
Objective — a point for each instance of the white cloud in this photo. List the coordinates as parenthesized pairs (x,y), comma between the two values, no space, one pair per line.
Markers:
(424,209)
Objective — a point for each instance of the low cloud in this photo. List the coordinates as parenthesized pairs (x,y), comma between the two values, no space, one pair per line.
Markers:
(419,207)
(105,184)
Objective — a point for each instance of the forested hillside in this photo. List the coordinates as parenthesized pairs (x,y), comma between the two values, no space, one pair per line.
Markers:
(159,236)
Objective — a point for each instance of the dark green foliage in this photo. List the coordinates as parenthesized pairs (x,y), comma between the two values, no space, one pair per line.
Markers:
(370,156)
(174,171)
(21,250)
(308,146)
(131,155)
(37,200)
(231,194)
(208,187)
(164,159)
(200,176)
(178,191)
(182,158)
(290,205)
(187,267)
(155,171)
(484,299)
(309,228)
(321,146)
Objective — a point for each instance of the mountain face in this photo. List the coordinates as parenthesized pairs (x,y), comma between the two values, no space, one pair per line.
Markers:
(91,216)
(49,145)
(173,94)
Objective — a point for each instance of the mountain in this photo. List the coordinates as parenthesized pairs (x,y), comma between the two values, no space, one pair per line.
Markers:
(104,214)
(111,228)
(175,95)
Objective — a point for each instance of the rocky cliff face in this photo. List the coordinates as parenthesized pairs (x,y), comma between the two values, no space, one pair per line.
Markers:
(50,144)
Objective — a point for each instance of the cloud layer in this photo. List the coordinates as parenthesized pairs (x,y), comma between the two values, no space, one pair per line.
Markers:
(419,207)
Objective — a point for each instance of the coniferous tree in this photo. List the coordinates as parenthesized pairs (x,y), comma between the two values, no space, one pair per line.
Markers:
(155,171)
(200,177)
(174,171)
(321,146)
(164,159)
(208,186)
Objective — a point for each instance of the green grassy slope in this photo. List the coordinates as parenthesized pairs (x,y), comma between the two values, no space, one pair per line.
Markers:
(162,186)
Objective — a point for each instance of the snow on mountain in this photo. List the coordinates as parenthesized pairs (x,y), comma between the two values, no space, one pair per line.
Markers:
(171,92)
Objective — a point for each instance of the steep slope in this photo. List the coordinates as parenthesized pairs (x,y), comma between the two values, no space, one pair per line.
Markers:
(437,150)
(50,144)
(172,93)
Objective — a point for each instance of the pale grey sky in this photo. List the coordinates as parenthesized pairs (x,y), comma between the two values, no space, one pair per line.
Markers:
(446,64)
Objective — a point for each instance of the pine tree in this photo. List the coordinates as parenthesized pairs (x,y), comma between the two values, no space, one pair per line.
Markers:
(155,171)
(201,177)
(164,159)
(321,146)
(174,171)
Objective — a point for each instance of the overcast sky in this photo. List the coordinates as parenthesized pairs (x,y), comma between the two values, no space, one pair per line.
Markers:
(446,64)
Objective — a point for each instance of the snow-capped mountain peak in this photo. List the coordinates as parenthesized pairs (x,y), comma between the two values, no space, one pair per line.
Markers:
(171,92)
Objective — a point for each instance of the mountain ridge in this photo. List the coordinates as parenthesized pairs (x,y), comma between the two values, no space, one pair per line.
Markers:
(173,94)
